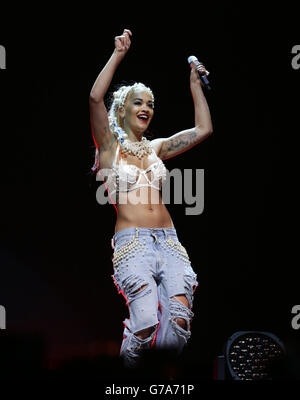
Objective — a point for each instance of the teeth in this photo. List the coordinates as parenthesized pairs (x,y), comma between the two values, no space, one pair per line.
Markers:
(143,116)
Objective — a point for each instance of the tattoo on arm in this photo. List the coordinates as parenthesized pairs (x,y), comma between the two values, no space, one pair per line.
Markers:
(179,143)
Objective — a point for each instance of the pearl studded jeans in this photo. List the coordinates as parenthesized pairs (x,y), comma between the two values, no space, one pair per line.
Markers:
(150,268)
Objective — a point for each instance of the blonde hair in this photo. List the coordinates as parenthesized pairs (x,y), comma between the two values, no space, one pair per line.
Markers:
(119,99)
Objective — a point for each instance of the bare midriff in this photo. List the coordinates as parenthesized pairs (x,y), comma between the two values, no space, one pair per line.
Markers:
(142,208)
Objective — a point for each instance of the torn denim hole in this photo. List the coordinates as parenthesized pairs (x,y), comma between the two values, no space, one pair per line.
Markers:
(185,335)
(179,310)
(132,355)
(135,287)
(137,344)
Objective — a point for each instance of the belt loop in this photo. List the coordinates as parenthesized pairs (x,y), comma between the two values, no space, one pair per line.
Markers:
(153,234)
(165,232)
(136,233)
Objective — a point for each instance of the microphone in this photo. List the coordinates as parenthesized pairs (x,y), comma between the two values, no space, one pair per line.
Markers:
(203,77)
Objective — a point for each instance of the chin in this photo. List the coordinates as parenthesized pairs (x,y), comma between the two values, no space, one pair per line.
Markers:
(140,131)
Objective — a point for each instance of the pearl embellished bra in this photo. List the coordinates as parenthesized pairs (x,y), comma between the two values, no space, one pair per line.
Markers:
(125,177)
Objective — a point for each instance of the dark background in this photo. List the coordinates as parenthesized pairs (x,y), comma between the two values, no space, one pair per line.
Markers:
(55,254)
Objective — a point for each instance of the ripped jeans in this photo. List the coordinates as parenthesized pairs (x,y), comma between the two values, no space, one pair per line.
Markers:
(151,268)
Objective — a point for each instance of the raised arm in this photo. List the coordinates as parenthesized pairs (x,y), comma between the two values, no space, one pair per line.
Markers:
(184,140)
(102,135)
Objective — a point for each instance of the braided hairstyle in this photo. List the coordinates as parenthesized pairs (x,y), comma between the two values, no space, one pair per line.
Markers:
(119,98)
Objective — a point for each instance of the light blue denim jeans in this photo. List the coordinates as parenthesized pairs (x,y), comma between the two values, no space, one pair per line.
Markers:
(151,267)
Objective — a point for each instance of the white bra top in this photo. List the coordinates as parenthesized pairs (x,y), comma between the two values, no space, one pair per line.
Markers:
(125,177)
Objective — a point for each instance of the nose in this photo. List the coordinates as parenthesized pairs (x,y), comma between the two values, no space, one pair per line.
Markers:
(145,109)
(146,112)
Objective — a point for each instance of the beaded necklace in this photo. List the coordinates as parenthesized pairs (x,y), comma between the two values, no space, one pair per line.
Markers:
(139,149)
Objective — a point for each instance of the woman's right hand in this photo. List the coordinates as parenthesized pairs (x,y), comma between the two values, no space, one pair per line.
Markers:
(122,42)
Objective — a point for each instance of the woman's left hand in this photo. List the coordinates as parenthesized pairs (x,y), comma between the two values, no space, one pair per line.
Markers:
(194,73)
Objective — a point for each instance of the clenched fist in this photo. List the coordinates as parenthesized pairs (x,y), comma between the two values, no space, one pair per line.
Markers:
(195,75)
(122,42)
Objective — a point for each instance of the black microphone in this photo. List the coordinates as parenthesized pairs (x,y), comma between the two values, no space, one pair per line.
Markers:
(203,77)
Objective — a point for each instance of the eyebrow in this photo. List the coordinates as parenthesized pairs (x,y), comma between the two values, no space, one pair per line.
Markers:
(138,98)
